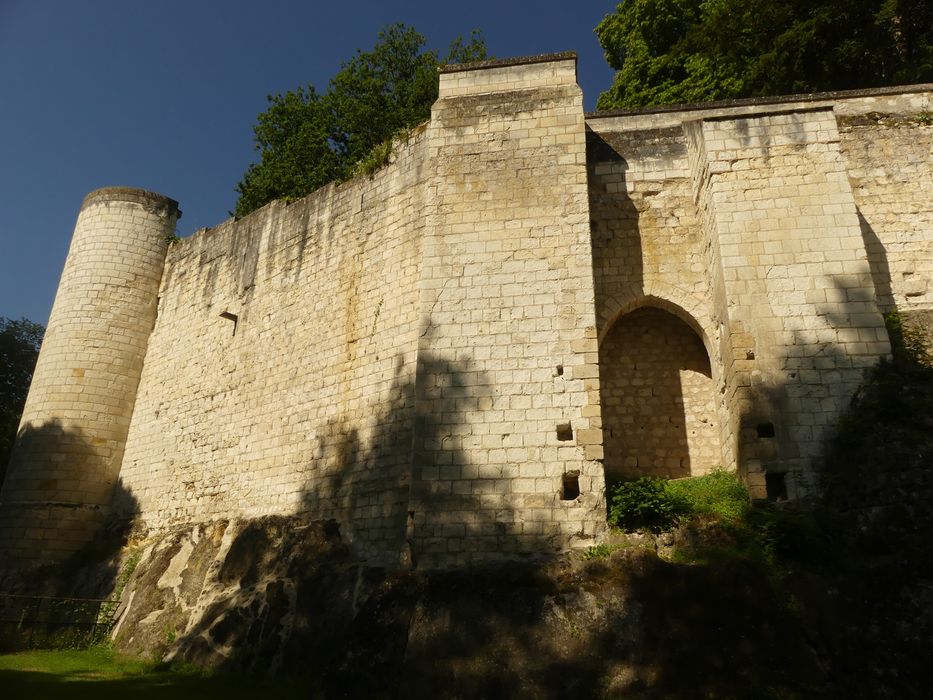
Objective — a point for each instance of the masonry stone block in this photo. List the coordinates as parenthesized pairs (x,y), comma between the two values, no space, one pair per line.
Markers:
(523,294)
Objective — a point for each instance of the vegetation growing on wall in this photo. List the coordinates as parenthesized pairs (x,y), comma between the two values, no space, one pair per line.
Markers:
(879,472)
(715,520)
(306,138)
(854,569)
(675,51)
(910,348)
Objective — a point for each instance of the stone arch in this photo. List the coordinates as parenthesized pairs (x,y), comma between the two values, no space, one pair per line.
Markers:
(658,389)
(682,305)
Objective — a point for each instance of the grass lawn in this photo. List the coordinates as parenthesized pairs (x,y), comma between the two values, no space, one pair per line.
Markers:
(100,674)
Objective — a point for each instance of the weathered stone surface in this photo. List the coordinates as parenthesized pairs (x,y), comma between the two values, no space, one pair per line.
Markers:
(277,595)
(427,355)
(259,595)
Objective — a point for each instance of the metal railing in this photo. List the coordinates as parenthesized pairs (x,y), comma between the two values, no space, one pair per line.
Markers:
(34,622)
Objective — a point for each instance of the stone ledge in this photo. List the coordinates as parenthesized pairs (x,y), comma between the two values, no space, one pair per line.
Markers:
(753,101)
(761,114)
(507,62)
(132,194)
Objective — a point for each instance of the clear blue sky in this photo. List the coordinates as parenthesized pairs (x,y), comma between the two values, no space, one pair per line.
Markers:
(162,95)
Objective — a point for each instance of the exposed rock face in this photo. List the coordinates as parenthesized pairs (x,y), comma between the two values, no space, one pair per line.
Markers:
(278,595)
(285,596)
(247,595)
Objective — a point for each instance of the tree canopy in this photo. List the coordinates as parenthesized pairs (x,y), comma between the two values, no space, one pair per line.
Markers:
(19,349)
(672,51)
(307,138)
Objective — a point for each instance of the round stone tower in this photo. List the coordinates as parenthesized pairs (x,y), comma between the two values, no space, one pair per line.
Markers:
(66,460)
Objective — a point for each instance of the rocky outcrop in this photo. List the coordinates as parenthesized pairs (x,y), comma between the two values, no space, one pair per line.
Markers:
(281,595)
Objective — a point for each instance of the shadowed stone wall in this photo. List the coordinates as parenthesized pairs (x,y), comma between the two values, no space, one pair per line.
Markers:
(658,399)
(778,229)
(509,402)
(74,427)
(417,355)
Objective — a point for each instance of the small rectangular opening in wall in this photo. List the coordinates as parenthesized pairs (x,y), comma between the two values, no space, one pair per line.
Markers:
(570,486)
(231,317)
(765,430)
(776,486)
(560,370)
(564,432)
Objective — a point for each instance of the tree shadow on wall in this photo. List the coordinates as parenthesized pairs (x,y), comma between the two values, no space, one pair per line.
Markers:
(84,547)
(362,483)
(464,511)
(57,587)
(299,594)
(449,633)
(859,556)
(788,421)
(616,237)
(878,264)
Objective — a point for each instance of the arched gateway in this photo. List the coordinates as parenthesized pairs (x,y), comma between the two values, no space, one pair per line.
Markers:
(658,398)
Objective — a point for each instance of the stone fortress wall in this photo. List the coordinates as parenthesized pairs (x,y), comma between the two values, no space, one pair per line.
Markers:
(778,230)
(450,358)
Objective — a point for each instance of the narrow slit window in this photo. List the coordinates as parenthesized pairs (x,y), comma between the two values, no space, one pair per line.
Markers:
(570,486)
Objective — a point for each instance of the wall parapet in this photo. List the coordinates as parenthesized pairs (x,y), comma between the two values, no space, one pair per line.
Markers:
(529,72)
(831,96)
(507,62)
(150,200)
(902,100)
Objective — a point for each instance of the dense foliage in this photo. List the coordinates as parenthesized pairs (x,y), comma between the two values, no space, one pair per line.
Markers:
(674,51)
(645,503)
(19,349)
(715,520)
(659,504)
(306,138)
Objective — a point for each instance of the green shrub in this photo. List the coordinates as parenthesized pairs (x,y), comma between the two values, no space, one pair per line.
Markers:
(720,493)
(597,551)
(377,158)
(380,155)
(646,504)
(658,504)
(786,536)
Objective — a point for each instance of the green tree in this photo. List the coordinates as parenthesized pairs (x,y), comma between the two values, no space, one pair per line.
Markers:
(306,139)
(19,348)
(293,137)
(669,51)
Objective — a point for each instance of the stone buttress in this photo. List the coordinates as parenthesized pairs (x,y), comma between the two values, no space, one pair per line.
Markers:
(509,441)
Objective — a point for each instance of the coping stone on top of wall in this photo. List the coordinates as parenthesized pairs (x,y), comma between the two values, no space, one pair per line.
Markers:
(132,194)
(762,113)
(753,101)
(506,62)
